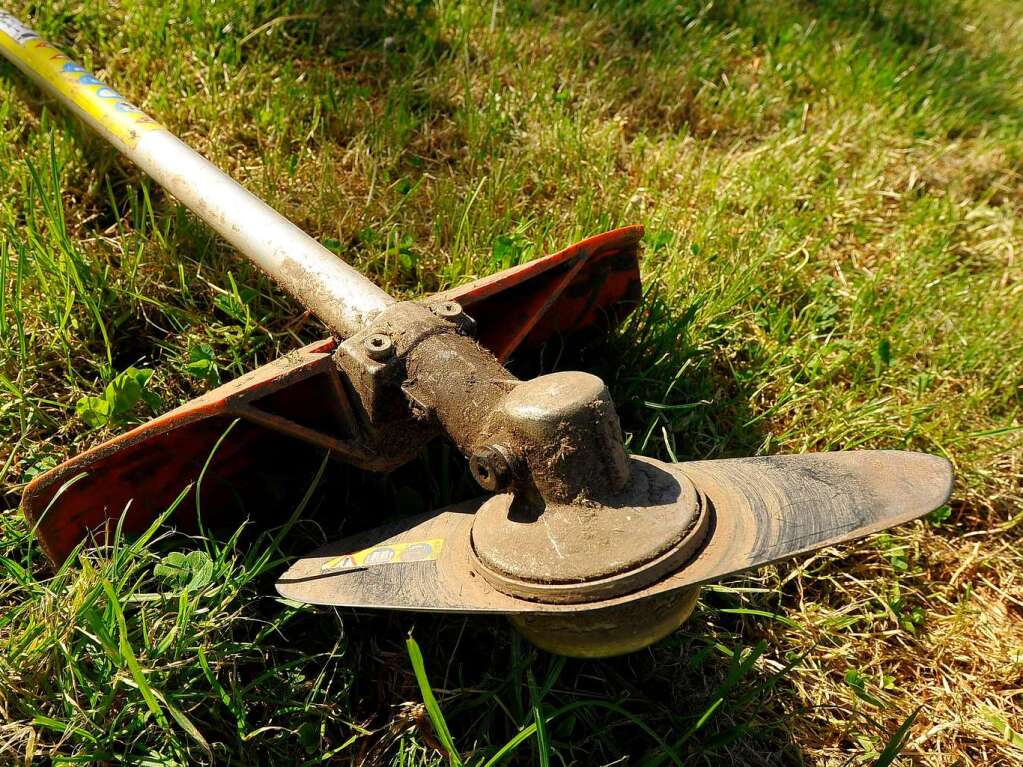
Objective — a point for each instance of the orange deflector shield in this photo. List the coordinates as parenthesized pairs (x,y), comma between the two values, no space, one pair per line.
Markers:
(133,477)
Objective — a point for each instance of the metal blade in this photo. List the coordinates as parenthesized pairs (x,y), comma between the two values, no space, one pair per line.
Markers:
(776,507)
(764,510)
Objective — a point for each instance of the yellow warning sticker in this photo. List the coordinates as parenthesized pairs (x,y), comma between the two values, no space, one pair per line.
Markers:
(386,554)
(114,114)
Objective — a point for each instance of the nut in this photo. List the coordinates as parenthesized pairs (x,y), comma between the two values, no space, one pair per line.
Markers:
(492,467)
(378,346)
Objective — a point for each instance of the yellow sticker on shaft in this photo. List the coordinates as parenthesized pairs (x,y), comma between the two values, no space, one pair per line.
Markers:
(387,554)
(109,109)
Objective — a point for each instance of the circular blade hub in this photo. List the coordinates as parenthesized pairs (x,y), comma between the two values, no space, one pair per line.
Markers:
(582,552)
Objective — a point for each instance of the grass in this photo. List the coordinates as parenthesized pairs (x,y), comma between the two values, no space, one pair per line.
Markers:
(832,193)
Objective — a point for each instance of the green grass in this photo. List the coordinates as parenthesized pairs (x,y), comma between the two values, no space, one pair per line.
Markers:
(832,193)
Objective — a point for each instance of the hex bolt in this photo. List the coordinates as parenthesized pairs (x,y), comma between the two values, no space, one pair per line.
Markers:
(378,346)
(492,467)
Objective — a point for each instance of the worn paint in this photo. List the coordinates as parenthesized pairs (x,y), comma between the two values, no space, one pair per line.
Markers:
(93,99)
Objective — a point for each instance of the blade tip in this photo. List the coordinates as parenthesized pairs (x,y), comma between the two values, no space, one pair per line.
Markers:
(934,477)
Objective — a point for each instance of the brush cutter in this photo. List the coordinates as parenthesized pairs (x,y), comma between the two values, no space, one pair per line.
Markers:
(589,550)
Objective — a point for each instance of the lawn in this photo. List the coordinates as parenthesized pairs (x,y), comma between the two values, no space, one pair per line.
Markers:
(832,193)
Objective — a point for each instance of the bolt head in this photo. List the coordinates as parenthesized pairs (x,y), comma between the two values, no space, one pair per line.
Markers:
(449,310)
(491,467)
(378,347)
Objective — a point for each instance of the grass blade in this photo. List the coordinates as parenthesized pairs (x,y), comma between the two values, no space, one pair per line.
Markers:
(440,727)
(128,655)
(543,745)
(896,741)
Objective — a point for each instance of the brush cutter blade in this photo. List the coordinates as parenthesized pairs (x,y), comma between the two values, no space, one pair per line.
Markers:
(762,510)
(257,421)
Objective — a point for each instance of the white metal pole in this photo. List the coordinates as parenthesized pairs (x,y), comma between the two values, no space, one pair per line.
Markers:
(338,294)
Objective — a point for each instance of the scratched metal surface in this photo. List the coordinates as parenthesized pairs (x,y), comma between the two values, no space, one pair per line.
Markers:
(764,510)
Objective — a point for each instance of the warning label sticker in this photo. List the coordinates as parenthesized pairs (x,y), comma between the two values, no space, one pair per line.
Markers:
(386,554)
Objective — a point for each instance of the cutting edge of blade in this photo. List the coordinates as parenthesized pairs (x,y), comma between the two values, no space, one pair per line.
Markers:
(754,522)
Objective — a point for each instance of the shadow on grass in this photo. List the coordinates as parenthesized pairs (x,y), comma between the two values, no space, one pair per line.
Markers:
(911,52)
(684,697)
